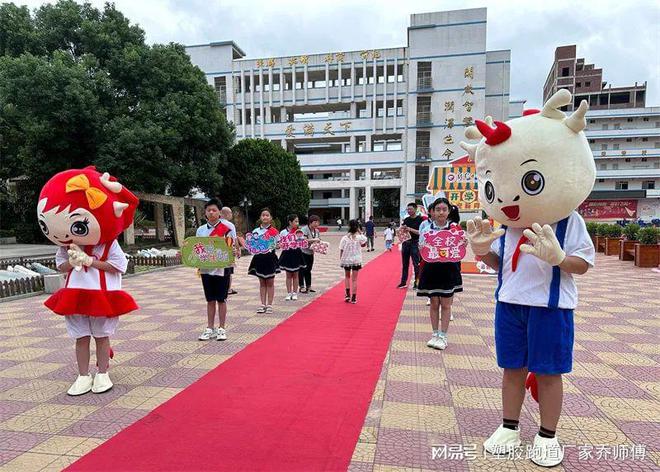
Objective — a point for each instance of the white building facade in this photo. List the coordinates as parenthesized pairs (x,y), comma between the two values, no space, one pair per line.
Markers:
(367,123)
(626,147)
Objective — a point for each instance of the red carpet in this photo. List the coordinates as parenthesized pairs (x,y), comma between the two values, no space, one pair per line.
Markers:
(295,399)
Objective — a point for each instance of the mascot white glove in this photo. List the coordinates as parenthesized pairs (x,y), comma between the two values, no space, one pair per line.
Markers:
(78,257)
(480,235)
(544,244)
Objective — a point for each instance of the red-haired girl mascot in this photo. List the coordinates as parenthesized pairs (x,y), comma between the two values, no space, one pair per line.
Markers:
(83,212)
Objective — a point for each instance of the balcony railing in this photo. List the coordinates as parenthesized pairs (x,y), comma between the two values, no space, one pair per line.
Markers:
(423,153)
(424,83)
(424,119)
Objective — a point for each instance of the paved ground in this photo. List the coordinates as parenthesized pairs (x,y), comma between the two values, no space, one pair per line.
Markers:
(425,398)
(8,251)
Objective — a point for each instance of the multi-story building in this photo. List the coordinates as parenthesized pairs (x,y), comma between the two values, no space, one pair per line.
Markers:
(585,82)
(367,125)
(624,136)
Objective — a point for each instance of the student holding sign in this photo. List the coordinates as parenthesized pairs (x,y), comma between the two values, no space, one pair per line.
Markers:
(311,232)
(291,258)
(441,273)
(214,281)
(264,264)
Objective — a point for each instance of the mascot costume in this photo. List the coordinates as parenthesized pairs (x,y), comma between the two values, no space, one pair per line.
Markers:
(533,172)
(83,212)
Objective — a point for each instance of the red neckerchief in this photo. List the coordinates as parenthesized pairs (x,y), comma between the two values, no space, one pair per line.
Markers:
(516,254)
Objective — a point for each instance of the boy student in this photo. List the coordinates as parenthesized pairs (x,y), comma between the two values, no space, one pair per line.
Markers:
(214,281)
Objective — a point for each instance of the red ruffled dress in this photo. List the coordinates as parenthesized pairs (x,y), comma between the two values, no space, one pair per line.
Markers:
(90,291)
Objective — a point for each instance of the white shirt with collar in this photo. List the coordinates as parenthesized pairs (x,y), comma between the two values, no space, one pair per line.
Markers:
(530,283)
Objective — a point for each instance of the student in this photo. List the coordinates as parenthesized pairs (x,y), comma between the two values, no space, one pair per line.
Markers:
(312,234)
(370,228)
(350,256)
(214,281)
(225,218)
(440,280)
(265,266)
(291,260)
(388,234)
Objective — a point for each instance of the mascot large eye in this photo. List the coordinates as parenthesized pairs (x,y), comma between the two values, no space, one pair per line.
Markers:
(80,228)
(533,182)
(44,227)
(490,192)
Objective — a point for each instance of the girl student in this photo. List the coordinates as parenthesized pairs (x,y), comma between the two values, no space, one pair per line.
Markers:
(439,281)
(265,266)
(291,260)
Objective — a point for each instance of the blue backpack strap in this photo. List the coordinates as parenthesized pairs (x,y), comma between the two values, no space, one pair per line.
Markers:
(553,300)
(501,264)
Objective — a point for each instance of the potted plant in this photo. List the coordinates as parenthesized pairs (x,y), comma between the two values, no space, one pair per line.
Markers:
(647,251)
(612,240)
(627,244)
(601,234)
(591,229)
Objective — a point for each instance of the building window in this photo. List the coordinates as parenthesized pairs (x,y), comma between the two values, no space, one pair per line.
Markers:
(592,121)
(603,166)
(617,126)
(621,185)
(600,181)
(645,118)
(587,84)
(615,166)
(648,185)
(627,159)
(603,147)
(629,120)
(592,141)
(578,84)
(645,139)
(565,71)
(629,140)
(615,147)
(645,159)
(606,126)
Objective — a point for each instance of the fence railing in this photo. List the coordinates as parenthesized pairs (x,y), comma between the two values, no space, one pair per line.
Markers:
(11,288)
(155,261)
(48,261)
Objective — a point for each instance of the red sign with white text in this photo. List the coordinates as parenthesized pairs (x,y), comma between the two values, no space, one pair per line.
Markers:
(595,209)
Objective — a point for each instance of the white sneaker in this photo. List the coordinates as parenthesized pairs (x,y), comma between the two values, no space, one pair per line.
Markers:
(502,441)
(294,296)
(261,309)
(221,334)
(102,383)
(431,342)
(206,334)
(440,342)
(288,298)
(451,317)
(269,310)
(547,452)
(428,302)
(82,385)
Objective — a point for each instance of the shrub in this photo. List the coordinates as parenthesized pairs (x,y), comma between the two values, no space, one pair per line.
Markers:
(631,231)
(648,235)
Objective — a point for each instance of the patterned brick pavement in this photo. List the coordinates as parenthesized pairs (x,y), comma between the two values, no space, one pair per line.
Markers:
(424,397)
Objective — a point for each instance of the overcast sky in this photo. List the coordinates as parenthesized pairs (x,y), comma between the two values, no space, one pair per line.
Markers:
(623,38)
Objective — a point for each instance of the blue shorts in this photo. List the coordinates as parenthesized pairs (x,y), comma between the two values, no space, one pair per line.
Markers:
(538,338)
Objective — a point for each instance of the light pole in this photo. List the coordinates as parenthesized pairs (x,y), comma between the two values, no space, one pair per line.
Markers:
(246,203)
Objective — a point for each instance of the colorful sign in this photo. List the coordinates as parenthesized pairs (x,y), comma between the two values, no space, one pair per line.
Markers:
(320,247)
(602,209)
(403,234)
(293,241)
(444,245)
(259,244)
(458,180)
(207,253)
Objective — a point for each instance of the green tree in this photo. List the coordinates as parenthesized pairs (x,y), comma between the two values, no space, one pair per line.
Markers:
(267,175)
(79,86)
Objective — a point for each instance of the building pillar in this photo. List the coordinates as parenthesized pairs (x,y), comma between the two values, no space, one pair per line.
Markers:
(282,111)
(354,113)
(353,141)
(178,222)
(159,216)
(129,235)
(367,143)
(368,205)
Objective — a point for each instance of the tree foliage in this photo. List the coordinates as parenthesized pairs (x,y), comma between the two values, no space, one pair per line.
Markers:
(268,176)
(79,86)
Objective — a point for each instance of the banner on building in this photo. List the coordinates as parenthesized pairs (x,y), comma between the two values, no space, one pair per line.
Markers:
(458,180)
(608,209)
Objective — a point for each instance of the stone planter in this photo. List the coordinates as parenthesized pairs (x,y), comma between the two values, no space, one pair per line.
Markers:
(612,246)
(647,255)
(52,283)
(627,250)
